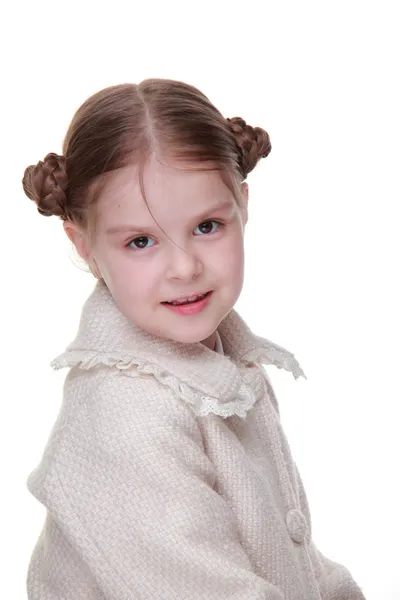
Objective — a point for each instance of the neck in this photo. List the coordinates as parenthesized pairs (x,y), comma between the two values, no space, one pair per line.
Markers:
(211,341)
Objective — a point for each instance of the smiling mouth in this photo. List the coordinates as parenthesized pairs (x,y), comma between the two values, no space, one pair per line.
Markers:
(188,300)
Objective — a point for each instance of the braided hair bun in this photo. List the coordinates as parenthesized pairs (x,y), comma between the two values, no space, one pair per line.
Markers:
(253,143)
(45,183)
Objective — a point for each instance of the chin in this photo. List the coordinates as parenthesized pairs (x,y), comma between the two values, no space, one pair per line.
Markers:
(188,338)
(193,335)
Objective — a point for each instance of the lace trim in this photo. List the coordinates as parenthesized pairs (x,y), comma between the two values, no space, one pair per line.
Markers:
(279,358)
(201,404)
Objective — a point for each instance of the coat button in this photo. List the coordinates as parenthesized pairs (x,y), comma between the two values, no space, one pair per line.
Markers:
(296,524)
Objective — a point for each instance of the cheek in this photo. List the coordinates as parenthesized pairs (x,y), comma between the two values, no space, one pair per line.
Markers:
(137,280)
(231,255)
(232,263)
(119,265)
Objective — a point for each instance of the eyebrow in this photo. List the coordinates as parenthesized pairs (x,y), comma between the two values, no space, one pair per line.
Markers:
(128,228)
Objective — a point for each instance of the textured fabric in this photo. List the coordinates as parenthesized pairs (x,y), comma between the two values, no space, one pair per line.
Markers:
(167,474)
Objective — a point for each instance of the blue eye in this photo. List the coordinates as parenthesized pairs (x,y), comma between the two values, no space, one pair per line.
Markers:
(205,227)
(140,243)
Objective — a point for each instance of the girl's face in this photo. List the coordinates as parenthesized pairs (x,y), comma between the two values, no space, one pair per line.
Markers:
(202,252)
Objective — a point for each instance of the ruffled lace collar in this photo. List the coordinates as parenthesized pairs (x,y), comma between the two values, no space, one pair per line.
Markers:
(209,381)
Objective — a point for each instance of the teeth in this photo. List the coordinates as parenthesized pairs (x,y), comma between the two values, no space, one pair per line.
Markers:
(191,299)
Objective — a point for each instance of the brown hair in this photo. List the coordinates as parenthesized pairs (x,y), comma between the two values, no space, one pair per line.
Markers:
(124,124)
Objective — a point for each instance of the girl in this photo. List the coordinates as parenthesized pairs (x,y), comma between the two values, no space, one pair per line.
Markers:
(167,474)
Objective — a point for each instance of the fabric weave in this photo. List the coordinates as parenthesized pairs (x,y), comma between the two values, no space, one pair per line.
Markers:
(167,474)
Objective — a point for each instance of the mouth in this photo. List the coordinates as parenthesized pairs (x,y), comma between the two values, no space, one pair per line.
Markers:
(188,299)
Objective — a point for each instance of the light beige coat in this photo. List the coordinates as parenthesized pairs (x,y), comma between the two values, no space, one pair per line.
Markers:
(167,474)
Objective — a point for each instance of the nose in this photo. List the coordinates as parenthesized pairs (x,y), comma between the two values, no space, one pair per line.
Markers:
(182,264)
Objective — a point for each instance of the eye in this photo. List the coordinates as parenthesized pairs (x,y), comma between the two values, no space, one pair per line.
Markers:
(207,227)
(140,243)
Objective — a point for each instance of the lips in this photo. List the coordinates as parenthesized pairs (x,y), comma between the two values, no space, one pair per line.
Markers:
(189,309)
(187,299)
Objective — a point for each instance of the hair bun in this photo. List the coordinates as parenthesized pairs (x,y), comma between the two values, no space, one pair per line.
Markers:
(253,143)
(45,183)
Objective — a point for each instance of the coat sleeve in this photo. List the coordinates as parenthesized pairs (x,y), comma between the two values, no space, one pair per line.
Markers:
(131,509)
(335,581)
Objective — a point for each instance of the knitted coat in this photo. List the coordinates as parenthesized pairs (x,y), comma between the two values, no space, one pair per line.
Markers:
(167,474)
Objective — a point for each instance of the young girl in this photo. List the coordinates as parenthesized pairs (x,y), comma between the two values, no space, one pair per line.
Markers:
(167,474)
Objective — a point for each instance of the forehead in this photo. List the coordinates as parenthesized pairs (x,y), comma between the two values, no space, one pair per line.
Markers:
(175,187)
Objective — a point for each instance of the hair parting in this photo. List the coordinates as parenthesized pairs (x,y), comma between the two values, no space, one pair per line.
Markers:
(126,124)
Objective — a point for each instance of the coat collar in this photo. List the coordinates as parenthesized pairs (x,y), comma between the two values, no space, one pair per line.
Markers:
(206,378)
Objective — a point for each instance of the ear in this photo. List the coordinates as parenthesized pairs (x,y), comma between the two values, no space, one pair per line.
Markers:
(245,200)
(79,238)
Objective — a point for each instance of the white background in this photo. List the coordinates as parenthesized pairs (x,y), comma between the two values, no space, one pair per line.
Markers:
(322,242)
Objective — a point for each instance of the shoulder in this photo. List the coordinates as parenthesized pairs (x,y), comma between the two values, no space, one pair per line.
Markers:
(111,405)
(108,417)
(269,390)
